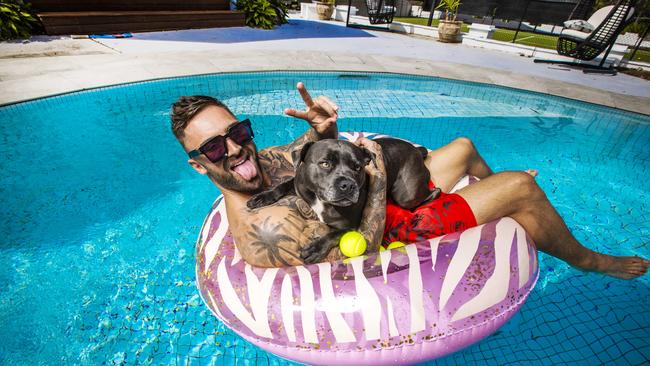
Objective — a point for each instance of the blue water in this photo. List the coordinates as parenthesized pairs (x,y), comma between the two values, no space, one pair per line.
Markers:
(100,213)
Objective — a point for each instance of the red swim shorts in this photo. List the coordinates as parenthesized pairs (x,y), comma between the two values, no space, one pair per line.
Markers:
(446,214)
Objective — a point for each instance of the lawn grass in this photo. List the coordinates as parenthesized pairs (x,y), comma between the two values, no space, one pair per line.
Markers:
(525,38)
(641,55)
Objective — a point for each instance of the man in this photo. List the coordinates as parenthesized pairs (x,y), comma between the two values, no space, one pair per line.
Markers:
(222,148)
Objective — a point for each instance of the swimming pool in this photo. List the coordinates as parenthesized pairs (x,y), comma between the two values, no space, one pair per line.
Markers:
(100,213)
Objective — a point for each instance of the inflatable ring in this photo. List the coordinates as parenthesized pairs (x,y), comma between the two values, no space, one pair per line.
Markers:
(400,306)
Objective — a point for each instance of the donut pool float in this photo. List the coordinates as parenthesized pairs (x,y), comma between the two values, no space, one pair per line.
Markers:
(401,306)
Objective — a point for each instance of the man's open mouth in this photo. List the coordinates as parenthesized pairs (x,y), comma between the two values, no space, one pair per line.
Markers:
(245,168)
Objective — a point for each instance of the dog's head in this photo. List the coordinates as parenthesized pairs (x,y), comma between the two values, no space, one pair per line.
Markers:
(332,171)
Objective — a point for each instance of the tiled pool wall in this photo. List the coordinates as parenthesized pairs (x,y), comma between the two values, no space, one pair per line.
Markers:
(98,250)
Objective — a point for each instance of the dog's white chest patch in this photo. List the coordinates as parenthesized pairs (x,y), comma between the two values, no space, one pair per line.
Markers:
(318,208)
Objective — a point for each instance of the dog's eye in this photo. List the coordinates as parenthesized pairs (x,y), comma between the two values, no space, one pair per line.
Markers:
(324,164)
(357,167)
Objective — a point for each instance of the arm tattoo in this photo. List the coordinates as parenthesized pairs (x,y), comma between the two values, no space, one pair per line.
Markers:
(273,241)
(296,204)
(277,160)
(269,241)
(374,214)
(276,164)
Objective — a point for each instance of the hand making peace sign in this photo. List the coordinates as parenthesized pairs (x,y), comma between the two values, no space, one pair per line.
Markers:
(321,112)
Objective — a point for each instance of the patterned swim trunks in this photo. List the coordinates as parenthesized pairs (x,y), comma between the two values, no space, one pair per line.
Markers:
(446,214)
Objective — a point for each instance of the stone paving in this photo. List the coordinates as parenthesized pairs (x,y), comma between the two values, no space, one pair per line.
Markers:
(52,65)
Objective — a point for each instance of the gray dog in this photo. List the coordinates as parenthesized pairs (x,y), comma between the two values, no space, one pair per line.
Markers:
(330,177)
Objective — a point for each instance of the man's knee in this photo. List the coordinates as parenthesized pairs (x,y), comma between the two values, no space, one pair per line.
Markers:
(464,142)
(465,145)
(524,184)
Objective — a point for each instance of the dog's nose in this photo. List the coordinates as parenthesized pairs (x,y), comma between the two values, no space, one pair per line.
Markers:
(346,185)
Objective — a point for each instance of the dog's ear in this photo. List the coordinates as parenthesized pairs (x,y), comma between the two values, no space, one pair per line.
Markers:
(367,156)
(298,156)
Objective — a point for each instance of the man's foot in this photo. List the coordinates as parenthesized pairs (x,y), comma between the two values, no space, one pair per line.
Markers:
(626,268)
(532,172)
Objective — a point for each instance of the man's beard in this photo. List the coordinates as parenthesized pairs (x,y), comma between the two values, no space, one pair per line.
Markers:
(228,179)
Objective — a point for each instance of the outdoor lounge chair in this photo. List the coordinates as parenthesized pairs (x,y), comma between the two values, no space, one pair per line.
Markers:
(607,23)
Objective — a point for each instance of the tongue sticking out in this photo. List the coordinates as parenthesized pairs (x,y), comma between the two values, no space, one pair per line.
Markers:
(246,170)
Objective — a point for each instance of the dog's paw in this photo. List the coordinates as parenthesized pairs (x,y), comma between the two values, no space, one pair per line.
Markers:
(313,253)
(260,200)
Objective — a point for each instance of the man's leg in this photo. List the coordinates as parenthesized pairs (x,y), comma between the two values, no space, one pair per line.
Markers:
(516,194)
(451,162)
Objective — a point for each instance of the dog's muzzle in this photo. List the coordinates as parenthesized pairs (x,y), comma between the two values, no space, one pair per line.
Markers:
(343,192)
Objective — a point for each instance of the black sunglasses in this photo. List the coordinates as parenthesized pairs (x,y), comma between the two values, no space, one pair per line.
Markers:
(216,149)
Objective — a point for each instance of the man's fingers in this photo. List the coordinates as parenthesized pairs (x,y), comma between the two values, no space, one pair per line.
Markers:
(369,145)
(365,142)
(296,113)
(324,105)
(331,103)
(305,94)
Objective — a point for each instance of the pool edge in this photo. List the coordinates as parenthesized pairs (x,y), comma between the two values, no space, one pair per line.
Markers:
(40,86)
(646,111)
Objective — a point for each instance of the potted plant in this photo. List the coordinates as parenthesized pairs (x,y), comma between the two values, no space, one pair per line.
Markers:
(325,9)
(449,28)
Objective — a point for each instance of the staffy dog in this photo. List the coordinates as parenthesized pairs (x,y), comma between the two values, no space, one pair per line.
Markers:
(330,177)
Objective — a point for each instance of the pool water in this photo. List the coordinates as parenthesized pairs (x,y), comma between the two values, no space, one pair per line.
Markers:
(100,213)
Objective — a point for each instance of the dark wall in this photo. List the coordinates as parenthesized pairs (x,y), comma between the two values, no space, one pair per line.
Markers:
(547,12)
(126,5)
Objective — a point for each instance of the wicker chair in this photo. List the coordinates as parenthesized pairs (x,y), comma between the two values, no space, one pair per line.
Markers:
(608,22)
(381,11)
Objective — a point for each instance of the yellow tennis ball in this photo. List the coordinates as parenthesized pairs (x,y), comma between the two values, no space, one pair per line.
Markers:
(352,244)
(395,244)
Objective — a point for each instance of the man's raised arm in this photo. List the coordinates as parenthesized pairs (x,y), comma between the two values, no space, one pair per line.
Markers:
(373,218)
(321,114)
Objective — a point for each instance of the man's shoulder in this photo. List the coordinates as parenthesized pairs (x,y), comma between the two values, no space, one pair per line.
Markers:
(277,164)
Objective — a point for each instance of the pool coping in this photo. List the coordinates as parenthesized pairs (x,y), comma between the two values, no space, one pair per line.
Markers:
(123,69)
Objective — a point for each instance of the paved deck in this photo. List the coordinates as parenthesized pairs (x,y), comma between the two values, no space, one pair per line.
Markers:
(47,65)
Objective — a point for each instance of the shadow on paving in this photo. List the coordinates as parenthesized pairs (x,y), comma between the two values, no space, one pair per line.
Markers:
(296,28)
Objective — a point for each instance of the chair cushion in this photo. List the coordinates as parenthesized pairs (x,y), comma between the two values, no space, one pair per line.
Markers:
(575,34)
(579,25)
(599,16)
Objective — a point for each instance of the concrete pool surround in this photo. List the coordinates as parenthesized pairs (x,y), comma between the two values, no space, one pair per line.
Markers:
(32,70)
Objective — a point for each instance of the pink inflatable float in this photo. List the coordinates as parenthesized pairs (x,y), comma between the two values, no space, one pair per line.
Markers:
(400,306)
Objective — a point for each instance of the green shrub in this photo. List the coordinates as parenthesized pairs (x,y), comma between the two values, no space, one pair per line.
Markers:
(450,7)
(638,27)
(259,13)
(15,20)
(280,8)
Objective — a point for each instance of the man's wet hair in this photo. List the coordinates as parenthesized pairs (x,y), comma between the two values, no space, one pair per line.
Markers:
(189,106)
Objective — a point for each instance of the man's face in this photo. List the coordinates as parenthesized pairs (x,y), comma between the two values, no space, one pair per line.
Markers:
(240,170)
